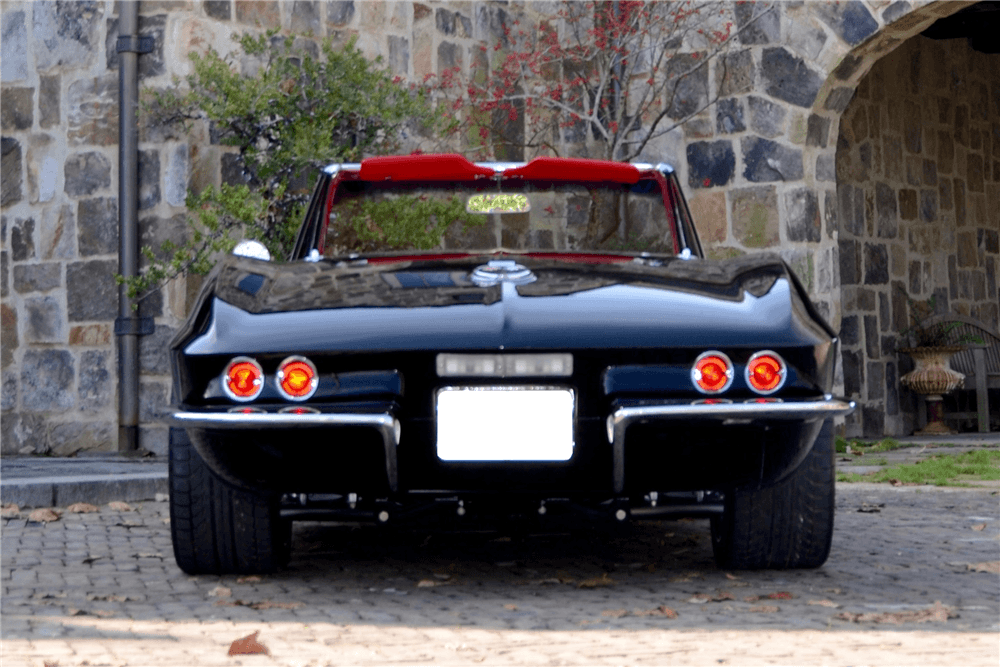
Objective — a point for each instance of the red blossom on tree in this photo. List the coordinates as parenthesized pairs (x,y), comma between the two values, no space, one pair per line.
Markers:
(615,75)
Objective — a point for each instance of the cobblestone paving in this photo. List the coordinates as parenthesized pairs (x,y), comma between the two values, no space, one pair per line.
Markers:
(102,588)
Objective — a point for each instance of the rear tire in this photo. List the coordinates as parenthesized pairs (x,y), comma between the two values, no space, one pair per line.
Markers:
(217,528)
(787,525)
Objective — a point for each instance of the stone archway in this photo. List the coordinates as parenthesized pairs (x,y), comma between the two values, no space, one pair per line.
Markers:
(918,189)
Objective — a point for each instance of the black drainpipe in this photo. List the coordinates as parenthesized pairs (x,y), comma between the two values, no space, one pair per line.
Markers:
(128,326)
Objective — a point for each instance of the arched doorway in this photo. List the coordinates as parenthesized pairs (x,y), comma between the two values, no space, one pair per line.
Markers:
(918,186)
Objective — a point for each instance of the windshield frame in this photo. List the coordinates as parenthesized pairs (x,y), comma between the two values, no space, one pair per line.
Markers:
(312,233)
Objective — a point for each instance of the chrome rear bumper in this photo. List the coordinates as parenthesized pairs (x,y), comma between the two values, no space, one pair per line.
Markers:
(742,413)
(385,423)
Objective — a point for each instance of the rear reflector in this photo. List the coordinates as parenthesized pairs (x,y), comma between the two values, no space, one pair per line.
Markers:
(712,372)
(298,410)
(297,378)
(505,365)
(243,379)
(766,372)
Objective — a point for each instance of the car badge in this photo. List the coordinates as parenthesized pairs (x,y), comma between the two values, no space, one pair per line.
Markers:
(498,271)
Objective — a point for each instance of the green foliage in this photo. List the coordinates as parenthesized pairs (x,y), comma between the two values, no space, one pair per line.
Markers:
(940,470)
(407,221)
(921,333)
(884,445)
(292,106)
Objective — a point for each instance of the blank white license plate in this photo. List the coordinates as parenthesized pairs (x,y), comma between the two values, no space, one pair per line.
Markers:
(504,424)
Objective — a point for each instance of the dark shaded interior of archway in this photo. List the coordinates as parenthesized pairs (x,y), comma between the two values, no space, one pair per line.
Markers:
(918,178)
(978,24)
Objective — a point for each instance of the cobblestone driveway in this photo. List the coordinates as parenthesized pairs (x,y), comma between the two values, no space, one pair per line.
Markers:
(94,589)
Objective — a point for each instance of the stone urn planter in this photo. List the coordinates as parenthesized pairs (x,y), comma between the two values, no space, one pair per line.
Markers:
(933,377)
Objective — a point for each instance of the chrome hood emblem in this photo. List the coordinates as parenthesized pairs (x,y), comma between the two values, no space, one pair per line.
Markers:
(498,271)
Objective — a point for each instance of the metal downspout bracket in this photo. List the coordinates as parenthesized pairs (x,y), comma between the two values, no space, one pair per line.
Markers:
(128,327)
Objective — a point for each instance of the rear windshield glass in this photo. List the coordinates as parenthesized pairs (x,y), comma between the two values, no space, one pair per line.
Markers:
(559,217)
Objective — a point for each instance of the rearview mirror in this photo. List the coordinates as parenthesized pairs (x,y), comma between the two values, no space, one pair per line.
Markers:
(498,202)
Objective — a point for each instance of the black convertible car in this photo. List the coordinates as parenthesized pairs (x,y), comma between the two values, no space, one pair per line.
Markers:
(546,339)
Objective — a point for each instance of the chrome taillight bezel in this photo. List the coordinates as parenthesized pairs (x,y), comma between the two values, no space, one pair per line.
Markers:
(696,372)
(279,377)
(258,383)
(782,372)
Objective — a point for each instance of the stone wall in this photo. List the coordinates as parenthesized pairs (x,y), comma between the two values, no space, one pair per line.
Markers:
(918,176)
(759,166)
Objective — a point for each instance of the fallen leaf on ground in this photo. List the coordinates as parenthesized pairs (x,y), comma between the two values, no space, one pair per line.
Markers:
(43,515)
(101,613)
(442,576)
(249,579)
(549,580)
(510,607)
(429,583)
(895,482)
(596,582)
(614,613)
(270,604)
(731,577)
(48,596)
(119,506)
(50,663)
(823,603)
(248,646)
(979,527)
(10,511)
(129,524)
(781,595)
(662,610)
(720,595)
(91,559)
(220,592)
(82,508)
(867,508)
(936,613)
(765,608)
(95,597)
(993,567)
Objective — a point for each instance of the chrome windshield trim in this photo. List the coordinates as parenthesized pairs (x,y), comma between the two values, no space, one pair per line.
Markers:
(622,418)
(385,423)
(332,169)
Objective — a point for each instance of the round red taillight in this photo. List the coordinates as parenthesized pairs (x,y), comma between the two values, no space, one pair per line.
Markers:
(765,372)
(243,379)
(297,378)
(712,372)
